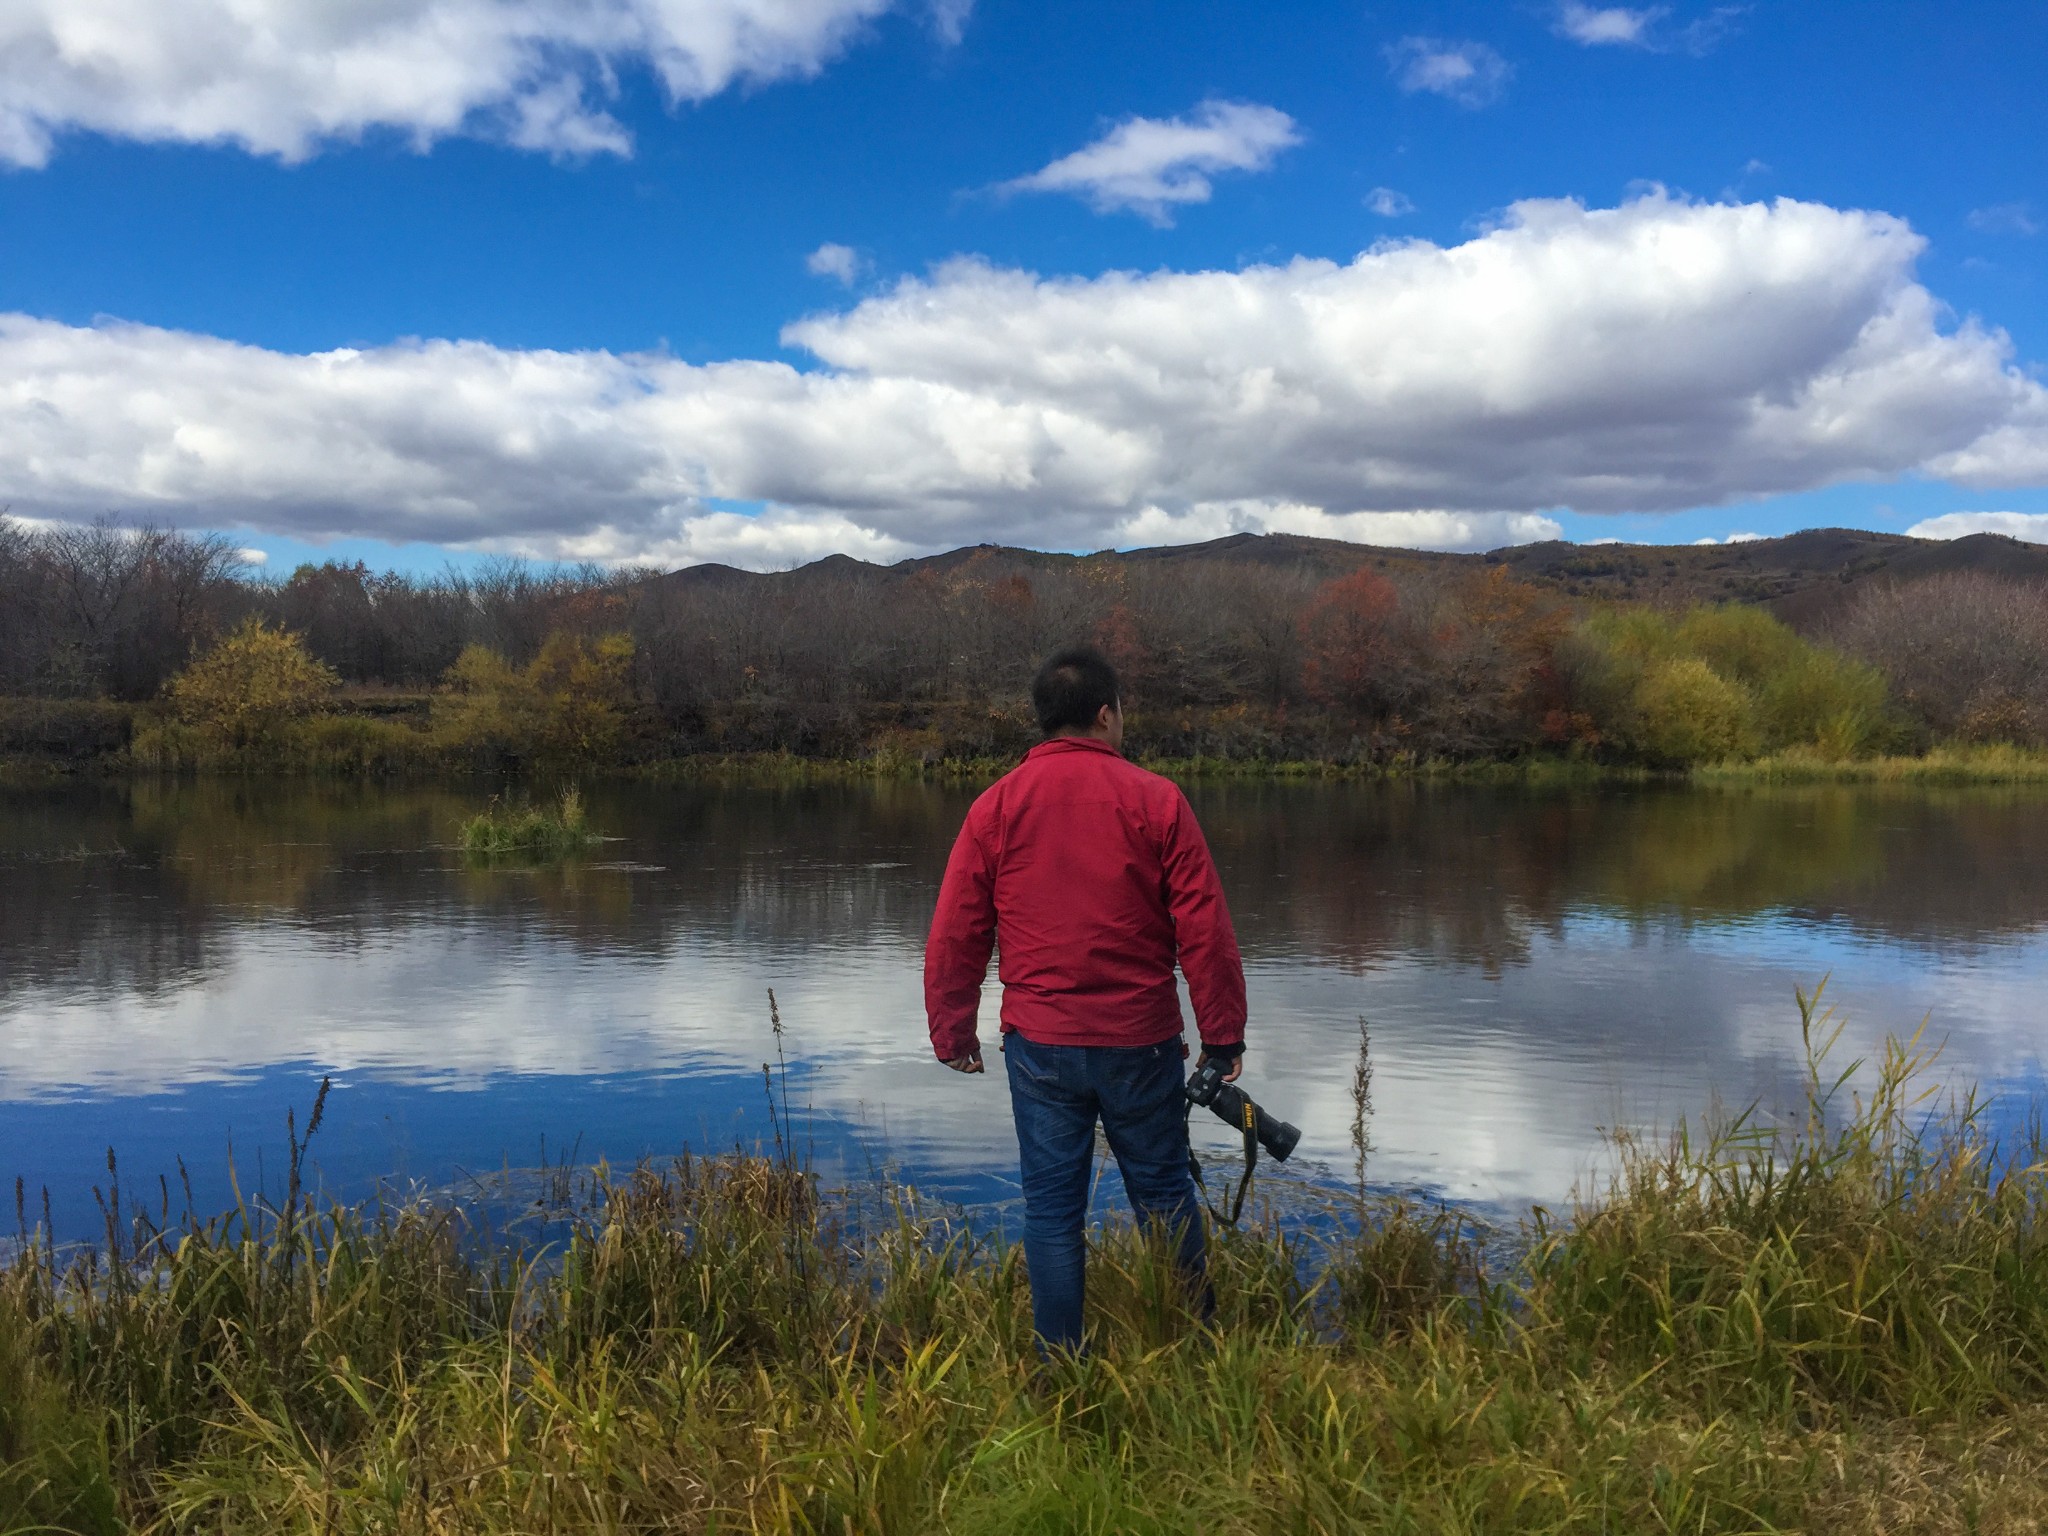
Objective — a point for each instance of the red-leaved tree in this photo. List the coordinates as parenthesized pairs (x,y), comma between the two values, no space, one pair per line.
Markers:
(1347,640)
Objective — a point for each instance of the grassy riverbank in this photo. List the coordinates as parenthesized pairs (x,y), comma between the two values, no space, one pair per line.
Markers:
(1939,766)
(46,745)
(1843,1328)
(1942,767)
(779,768)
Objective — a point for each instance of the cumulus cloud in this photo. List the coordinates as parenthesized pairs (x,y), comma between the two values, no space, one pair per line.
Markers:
(1148,164)
(1388,203)
(1200,521)
(839,262)
(2030,526)
(1471,74)
(1656,356)
(256,557)
(284,77)
(1595,25)
(1733,538)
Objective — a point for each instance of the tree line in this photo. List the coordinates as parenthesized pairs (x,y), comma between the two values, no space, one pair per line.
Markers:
(106,630)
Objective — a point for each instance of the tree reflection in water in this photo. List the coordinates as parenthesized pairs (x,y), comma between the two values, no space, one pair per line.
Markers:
(1535,962)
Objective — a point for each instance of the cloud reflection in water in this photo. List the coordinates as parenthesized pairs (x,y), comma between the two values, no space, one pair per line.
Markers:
(1534,966)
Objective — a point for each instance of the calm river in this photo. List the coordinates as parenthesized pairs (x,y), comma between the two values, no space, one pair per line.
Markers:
(181,963)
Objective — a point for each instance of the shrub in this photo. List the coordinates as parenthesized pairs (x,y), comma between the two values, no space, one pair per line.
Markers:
(569,704)
(358,744)
(67,728)
(243,691)
(1722,682)
(1744,645)
(1689,713)
(1821,698)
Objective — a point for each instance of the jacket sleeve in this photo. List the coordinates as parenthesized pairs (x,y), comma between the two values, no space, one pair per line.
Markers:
(1202,930)
(962,938)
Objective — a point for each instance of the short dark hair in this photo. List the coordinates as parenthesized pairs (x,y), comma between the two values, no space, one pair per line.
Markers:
(1072,688)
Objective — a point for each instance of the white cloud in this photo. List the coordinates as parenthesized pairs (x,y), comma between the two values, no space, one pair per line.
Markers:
(949,19)
(840,262)
(1154,525)
(1388,203)
(255,557)
(1733,538)
(773,539)
(2005,219)
(2030,526)
(1595,25)
(284,77)
(1471,74)
(1656,356)
(1148,164)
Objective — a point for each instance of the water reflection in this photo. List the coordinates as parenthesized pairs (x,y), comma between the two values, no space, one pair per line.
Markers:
(1533,965)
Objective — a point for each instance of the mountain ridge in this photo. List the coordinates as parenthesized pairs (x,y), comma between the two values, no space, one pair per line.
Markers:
(1804,577)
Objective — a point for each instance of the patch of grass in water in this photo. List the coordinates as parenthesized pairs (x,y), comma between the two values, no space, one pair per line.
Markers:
(526,831)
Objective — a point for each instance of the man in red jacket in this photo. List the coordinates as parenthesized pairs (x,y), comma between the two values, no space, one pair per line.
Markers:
(1093,877)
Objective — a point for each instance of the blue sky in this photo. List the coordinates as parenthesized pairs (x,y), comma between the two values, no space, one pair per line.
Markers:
(624,218)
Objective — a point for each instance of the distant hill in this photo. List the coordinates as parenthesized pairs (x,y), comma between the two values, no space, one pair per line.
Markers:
(1803,577)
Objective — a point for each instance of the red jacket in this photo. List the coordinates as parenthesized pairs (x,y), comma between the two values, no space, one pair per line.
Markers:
(1095,876)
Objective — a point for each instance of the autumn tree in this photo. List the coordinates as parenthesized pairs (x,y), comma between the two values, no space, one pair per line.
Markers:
(1346,640)
(1116,635)
(244,690)
(1966,654)
(1484,665)
(106,610)
(570,703)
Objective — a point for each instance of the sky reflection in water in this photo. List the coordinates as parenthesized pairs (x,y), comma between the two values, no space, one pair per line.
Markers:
(178,963)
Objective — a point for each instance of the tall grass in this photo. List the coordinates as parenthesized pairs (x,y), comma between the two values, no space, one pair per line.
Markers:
(323,745)
(523,830)
(1839,1325)
(778,770)
(1939,765)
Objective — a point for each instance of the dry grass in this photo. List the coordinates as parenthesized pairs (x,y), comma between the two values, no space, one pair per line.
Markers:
(1942,765)
(1841,1326)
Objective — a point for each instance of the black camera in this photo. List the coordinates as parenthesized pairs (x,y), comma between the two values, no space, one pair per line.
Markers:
(1234,1107)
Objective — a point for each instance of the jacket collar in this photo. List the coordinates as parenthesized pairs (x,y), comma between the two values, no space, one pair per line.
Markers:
(1070,744)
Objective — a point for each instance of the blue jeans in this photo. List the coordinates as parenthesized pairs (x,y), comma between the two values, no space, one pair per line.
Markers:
(1056,1092)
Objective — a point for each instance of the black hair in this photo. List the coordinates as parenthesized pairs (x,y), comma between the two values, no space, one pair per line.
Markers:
(1072,688)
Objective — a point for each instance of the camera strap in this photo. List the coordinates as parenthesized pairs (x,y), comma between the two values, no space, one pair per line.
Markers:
(1244,1184)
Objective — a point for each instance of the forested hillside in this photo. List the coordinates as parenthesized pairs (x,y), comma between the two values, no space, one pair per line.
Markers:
(1270,647)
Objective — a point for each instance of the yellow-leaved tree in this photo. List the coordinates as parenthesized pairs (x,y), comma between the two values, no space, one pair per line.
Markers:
(244,690)
(569,704)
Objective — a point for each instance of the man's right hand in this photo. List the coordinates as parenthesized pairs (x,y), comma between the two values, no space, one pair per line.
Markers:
(968,1063)
(1236,1065)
